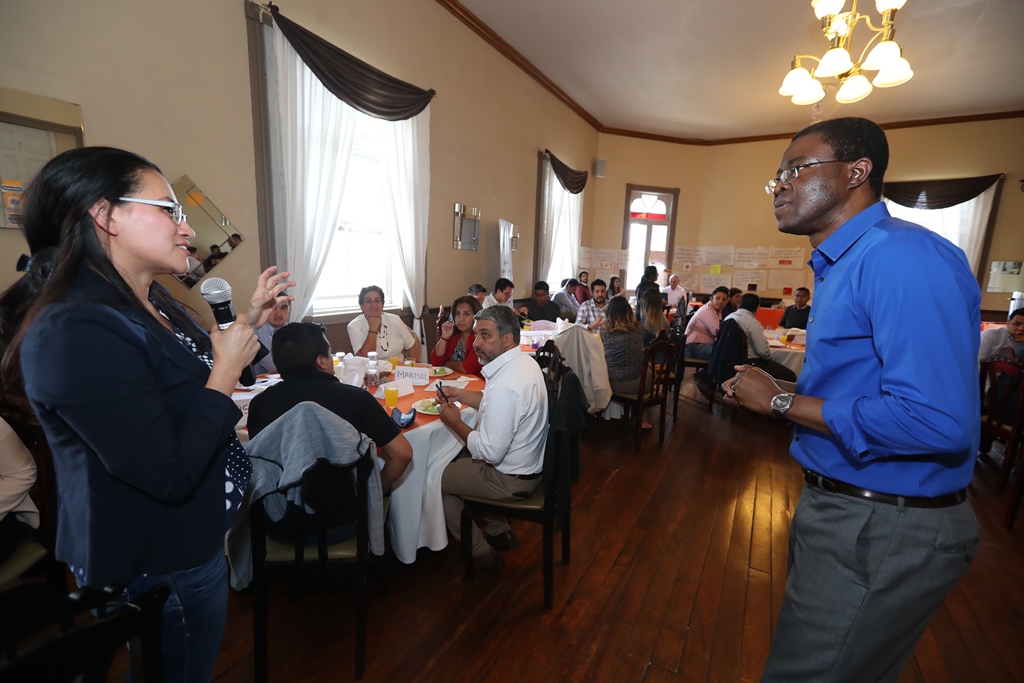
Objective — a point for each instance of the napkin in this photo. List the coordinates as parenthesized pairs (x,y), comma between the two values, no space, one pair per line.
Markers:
(460,383)
(404,387)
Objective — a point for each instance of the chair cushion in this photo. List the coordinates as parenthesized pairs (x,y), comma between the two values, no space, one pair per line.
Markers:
(534,502)
(25,556)
(285,552)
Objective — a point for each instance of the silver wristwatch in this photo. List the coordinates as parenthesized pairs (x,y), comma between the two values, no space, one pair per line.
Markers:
(781,403)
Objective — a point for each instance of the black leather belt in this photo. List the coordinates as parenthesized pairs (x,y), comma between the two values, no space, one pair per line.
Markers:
(526,477)
(832,486)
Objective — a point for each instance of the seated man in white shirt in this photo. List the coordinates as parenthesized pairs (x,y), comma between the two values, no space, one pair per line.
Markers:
(375,330)
(592,311)
(506,450)
(1011,336)
(502,294)
(758,351)
(675,292)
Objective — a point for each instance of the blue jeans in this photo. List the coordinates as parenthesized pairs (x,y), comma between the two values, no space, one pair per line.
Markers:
(701,351)
(193,617)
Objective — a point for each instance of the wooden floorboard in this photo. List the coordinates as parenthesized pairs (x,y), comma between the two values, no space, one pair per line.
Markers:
(678,572)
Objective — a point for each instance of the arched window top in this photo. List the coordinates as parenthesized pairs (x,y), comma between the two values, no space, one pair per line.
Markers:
(649,206)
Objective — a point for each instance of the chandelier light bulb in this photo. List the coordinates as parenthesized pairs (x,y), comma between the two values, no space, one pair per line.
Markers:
(840,26)
(824,8)
(883,5)
(854,89)
(794,80)
(884,55)
(809,93)
(836,61)
(891,76)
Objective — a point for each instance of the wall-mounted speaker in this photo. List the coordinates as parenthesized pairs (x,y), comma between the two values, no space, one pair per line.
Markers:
(599,168)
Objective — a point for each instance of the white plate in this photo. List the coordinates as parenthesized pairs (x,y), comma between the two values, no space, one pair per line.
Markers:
(428,407)
(440,372)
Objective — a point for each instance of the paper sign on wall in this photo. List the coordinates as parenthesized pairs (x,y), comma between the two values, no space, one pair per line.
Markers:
(712,255)
(756,257)
(585,256)
(787,258)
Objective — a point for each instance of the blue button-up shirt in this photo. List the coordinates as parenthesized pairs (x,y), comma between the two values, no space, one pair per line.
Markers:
(892,347)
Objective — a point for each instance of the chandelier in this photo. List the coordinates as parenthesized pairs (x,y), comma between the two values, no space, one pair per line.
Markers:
(885,57)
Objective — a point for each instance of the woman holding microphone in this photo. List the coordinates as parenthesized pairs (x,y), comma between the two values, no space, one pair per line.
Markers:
(134,397)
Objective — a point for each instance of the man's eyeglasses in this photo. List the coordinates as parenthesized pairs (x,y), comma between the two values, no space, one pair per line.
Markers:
(790,174)
(173,208)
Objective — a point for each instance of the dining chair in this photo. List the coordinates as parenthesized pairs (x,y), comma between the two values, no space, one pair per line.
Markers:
(310,557)
(730,350)
(550,505)
(91,626)
(655,384)
(1002,391)
(682,361)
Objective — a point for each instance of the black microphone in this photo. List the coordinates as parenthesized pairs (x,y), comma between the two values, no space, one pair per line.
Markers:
(217,293)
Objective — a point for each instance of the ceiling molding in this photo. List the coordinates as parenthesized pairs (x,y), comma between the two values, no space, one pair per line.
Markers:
(995,116)
(514,56)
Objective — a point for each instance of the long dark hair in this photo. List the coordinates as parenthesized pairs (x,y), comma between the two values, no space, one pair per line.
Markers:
(61,236)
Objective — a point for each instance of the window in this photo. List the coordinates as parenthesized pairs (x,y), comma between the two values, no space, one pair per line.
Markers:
(361,252)
(650,213)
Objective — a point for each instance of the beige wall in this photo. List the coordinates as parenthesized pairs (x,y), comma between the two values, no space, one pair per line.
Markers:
(722,199)
(157,82)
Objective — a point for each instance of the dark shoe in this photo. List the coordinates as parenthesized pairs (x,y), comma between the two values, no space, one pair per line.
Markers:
(489,562)
(504,541)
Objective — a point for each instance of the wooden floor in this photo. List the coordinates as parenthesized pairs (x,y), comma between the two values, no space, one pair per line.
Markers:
(678,570)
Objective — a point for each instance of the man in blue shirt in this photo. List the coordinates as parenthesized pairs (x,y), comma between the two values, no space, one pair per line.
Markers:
(885,426)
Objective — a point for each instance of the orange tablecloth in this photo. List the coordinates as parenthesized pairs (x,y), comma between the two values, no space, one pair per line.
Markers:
(405,403)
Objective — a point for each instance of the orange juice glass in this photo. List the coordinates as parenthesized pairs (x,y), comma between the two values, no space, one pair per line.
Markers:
(390,396)
(395,361)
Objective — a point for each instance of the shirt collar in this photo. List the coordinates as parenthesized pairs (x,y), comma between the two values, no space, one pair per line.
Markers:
(308,375)
(492,368)
(840,241)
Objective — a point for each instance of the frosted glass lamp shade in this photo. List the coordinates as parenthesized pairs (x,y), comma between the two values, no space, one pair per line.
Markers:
(883,55)
(823,8)
(794,80)
(810,93)
(836,61)
(883,5)
(894,75)
(854,89)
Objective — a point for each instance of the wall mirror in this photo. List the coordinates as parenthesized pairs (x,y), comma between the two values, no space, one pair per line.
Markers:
(467,227)
(1006,276)
(215,236)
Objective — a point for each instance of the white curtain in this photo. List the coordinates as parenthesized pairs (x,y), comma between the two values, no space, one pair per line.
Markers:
(407,200)
(559,231)
(315,142)
(964,224)
(505,247)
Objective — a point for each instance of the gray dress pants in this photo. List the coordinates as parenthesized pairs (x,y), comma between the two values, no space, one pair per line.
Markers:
(864,581)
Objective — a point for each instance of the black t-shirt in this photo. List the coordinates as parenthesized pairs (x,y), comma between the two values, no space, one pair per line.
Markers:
(550,311)
(794,317)
(357,406)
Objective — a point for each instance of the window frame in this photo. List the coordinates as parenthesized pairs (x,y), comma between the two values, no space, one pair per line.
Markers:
(673,210)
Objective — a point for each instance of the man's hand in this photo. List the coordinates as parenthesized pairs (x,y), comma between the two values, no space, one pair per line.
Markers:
(753,389)
(596,324)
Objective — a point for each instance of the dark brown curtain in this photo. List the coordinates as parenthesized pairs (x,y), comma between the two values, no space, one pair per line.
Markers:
(938,194)
(351,80)
(573,181)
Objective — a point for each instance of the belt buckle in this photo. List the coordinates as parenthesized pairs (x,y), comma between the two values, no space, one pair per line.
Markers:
(827,484)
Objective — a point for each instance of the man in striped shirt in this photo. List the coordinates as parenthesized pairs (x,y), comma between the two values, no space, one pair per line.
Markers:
(703,328)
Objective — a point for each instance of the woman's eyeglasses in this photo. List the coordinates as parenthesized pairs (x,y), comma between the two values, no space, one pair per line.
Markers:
(173,208)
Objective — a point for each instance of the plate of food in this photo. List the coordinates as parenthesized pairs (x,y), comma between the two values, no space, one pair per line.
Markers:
(429,406)
(440,372)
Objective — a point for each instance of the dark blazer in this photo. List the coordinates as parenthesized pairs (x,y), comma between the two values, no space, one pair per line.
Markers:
(137,439)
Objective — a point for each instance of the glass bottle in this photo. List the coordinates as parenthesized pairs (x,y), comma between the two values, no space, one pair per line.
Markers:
(372,371)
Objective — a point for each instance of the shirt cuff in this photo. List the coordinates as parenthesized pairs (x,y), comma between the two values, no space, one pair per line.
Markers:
(838,415)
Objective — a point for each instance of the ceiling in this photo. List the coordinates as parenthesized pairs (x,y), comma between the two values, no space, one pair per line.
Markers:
(710,70)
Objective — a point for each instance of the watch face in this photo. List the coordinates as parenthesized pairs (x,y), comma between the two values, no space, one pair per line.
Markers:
(782,403)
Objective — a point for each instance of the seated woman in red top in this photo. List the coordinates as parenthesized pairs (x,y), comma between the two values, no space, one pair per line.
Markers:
(454,348)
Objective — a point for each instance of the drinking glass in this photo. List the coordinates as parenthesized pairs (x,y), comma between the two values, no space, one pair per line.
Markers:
(390,396)
(395,361)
